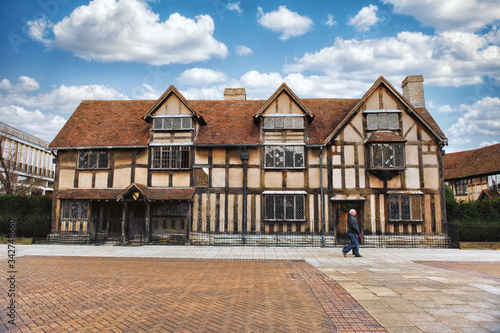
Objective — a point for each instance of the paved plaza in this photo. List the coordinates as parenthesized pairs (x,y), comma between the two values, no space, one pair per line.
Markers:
(250,289)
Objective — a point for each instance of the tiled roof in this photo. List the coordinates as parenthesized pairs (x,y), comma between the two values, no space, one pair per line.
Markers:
(228,122)
(470,163)
(158,193)
(385,136)
(105,124)
(114,194)
(89,194)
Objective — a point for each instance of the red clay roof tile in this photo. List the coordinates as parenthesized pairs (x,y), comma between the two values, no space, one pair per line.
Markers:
(470,163)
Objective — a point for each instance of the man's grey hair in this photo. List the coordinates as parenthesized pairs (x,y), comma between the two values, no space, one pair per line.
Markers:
(352,211)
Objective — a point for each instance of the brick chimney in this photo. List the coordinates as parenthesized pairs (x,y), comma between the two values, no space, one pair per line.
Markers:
(235,94)
(413,90)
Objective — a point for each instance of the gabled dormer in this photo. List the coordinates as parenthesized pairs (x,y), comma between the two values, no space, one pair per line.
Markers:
(283,118)
(174,124)
(170,114)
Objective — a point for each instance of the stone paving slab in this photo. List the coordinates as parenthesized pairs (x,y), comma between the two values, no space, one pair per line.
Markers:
(88,294)
(389,283)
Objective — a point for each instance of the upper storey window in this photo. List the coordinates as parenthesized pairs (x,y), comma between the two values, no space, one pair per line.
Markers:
(382,120)
(172,123)
(93,159)
(283,121)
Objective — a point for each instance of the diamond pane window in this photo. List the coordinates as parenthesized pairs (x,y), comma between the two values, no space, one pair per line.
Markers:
(75,210)
(387,155)
(284,157)
(405,207)
(372,121)
(284,207)
(382,120)
(93,159)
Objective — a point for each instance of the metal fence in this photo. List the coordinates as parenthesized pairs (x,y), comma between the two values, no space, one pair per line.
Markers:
(108,232)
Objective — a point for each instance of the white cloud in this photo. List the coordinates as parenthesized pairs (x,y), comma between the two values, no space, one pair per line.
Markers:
(366,18)
(330,22)
(243,50)
(486,143)
(146,91)
(458,15)
(128,30)
(201,76)
(33,122)
(283,20)
(25,84)
(446,109)
(480,119)
(448,59)
(234,6)
(62,99)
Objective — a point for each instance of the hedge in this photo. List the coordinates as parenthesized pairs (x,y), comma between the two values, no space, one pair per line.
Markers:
(31,213)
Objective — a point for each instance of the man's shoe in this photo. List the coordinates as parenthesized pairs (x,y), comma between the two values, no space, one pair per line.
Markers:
(345,254)
(359,256)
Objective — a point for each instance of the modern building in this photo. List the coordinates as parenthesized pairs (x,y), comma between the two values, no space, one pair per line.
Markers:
(26,166)
(251,168)
(470,173)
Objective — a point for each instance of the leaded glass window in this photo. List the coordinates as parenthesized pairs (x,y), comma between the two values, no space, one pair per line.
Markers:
(405,207)
(283,122)
(75,209)
(387,155)
(284,207)
(382,121)
(170,157)
(93,159)
(173,123)
(284,157)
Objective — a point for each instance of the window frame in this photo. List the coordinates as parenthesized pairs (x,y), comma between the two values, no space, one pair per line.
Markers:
(380,122)
(69,206)
(277,122)
(93,165)
(413,206)
(461,187)
(290,207)
(167,123)
(399,163)
(166,155)
(274,150)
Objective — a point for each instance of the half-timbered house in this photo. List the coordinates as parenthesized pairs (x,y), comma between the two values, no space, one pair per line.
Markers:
(285,169)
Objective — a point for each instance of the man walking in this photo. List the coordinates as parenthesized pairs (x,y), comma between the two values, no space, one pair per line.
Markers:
(352,232)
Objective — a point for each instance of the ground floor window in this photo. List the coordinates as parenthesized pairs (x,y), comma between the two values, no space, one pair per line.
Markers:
(75,209)
(405,207)
(284,207)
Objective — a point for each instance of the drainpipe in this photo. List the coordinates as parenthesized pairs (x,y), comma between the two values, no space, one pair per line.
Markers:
(244,159)
(322,199)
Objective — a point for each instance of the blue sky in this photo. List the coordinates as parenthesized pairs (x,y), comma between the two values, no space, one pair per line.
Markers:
(56,53)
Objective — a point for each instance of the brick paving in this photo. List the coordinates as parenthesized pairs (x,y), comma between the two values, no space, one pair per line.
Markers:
(84,294)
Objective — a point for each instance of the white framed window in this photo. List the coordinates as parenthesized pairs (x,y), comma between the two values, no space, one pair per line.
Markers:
(173,123)
(284,207)
(170,157)
(93,159)
(405,207)
(283,122)
(284,157)
(382,121)
(387,155)
(75,209)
